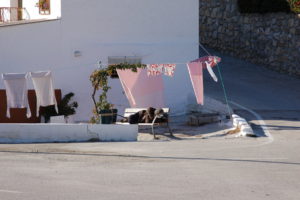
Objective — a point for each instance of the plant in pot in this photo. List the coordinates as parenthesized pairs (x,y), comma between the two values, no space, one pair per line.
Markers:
(65,108)
(104,112)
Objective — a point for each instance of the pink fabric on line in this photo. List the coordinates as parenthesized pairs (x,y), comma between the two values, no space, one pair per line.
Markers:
(142,90)
(158,69)
(196,75)
(213,60)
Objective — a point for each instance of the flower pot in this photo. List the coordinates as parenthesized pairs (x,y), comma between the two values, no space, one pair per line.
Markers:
(108,116)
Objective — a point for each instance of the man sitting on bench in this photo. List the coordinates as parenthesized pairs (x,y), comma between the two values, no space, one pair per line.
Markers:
(147,117)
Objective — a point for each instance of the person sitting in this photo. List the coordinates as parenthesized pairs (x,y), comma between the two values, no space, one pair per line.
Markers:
(147,116)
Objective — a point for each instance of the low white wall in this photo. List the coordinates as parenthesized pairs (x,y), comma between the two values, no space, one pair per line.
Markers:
(44,133)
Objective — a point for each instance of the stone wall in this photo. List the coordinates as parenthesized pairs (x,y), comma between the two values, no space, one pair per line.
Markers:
(271,40)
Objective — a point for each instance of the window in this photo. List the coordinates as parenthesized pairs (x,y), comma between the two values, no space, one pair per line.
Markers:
(123,59)
(44,7)
(26,11)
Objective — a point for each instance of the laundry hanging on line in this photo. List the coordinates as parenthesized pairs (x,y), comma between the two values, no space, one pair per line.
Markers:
(195,69)
(196,74)
(208,62)
(158,69)
(16,92)
(142,90)
(44,89)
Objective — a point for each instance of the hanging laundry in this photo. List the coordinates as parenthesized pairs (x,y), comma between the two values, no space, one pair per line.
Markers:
(154,69)
(210,71)
(208,62)
(158,69)
(213,60)
(44,89)
(142,90)
(169,69)
(196,75)
(16,92)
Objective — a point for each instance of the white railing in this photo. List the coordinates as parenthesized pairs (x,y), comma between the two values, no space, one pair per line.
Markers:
(12,14)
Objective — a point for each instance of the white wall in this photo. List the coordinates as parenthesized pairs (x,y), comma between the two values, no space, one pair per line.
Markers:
(33,133)
(160,31)
(4,3)
(33,10)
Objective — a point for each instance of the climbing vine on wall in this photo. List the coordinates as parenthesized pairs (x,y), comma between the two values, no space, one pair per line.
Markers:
(99,80)
(295,5)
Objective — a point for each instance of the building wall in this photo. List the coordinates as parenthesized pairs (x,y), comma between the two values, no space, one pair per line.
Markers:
(33,10)
(5,3)
(160,31)
(271,40)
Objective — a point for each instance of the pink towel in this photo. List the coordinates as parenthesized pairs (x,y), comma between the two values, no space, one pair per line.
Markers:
(142,90)
(196,75)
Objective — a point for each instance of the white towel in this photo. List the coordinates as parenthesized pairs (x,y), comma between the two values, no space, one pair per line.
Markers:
(210,71)
(16,92)
(44,89)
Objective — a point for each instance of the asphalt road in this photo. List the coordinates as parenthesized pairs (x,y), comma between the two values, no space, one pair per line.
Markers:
(214,168)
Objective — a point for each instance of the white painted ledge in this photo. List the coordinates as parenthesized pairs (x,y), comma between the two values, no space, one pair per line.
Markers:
(22,22)
(47,133)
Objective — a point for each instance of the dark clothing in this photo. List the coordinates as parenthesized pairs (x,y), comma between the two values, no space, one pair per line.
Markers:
(147,116)
(136,117)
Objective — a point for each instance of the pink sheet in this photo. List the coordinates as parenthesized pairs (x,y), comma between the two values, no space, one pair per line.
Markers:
(142,90)
(196,75)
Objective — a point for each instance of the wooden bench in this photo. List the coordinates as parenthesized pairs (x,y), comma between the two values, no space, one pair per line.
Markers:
(131,111)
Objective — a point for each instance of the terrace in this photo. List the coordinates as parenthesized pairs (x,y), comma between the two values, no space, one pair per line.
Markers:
(14,12)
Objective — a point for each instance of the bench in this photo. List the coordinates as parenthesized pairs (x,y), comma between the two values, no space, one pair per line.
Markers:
(130,111)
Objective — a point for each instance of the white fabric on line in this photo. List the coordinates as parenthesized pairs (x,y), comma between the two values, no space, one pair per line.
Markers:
(16,92)
(44,89)
(210,71)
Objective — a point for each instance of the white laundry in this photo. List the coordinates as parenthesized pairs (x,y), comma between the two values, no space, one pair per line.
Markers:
(44,89)
(16,92)
(210,71)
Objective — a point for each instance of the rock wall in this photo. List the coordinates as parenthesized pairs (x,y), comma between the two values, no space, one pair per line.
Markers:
(271,40)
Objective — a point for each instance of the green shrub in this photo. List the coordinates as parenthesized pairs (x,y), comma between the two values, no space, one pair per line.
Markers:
(263,6)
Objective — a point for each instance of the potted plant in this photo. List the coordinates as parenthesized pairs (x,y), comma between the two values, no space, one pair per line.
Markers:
(65,108)
(104,111)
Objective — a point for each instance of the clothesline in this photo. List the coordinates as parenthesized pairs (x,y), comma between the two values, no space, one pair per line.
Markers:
(96,66)
(100,64)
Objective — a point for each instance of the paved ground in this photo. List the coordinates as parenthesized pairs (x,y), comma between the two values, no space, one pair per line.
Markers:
(208,167)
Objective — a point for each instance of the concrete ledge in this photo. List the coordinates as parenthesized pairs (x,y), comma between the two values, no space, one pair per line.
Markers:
(47,133)
(114,132)
(15,23)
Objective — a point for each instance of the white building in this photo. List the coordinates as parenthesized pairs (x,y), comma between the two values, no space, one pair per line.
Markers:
(13,10)
(76,34)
